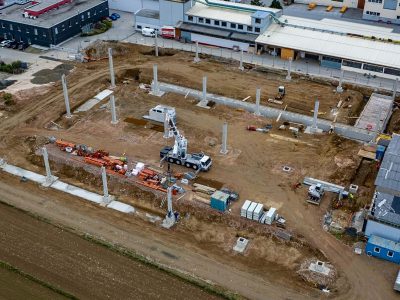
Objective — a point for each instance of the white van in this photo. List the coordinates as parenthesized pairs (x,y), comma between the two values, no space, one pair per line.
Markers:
(147,31)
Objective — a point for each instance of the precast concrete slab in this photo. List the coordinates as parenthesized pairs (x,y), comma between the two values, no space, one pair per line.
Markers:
(346,131)
(87,105)
(122,207)
(16,171)
(76,191)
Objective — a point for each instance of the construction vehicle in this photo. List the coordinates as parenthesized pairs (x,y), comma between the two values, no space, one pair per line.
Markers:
(157,113)
(315,193)
(178,153)
(281,93)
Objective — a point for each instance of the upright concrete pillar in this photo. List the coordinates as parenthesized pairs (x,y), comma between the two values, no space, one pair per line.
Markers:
(339,88)
(288,76)
(204,89)
(315,119)
(196,58)
(155,87)
(110,62)
(113,112)
(169,220)
(66,98)
(395,88)
(106,196)
(49,178)
(156,43)
(224,148)
(241,68)
(258,97)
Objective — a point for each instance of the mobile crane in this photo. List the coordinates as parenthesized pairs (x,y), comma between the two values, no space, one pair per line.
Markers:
(178,153)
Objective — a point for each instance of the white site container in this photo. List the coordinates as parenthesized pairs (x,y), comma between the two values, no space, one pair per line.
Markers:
(258,211)
(250,210)
(270,217)
(134,172)
(139,166)
(397,283)
(243,211)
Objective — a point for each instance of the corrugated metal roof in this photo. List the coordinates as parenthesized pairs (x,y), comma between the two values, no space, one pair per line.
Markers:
(389,173)
(336,45)
(387,208)
(384,243)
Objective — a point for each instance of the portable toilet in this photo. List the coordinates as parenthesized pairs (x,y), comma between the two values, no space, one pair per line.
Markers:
(270,217)
(219,200)
(380,151)
(243,210)
(250,210)
(258,211)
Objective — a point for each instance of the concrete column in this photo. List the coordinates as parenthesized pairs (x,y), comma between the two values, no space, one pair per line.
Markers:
(316,107)
(155,87)
(204,89)
(258,97)
(113,112)
(288,76)
(395,88)
(49,178)
(66,98)
(106,196)
(110,62)
(224,149)
(156,43)
(241,68)
(339,88)
(169,202)
(196,58)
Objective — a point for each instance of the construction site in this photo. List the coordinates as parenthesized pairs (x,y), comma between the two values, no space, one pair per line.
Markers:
(181,147)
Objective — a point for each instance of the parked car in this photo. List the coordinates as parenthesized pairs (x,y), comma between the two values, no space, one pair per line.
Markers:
(116,15)
(112,17)
(13,45)
(5,43)
(22,46)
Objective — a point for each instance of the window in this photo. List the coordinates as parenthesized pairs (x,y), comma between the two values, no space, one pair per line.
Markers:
(352,64)
(201,20)
(375,1)
(391,71)
(256,29)
(390,253)
(208,21)
(88,14)
(216,23)
(190,18)
(249,28)
(139,26)
(223,24)
(27,30)
(333,59)
(2,25)
(83,17)
(398,17)
(372,13)
(373,68)
(233,25)
(11,28)
(35,31)
(377,250)
(258,21)
(56,30)
(240,27)
(69,23)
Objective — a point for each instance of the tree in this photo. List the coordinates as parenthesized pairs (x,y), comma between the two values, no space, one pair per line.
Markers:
(276,4)
(256,3)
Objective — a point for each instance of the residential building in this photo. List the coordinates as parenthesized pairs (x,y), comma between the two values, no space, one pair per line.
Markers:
(49,22)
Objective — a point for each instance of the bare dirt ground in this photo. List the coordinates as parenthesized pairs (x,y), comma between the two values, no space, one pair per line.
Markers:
(253,166)
(15,286)
(59,257)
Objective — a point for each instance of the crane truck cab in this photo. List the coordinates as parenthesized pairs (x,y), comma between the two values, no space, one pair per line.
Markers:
(195,161)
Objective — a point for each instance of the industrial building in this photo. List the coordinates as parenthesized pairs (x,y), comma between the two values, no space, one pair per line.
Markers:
(384,214)
(49,22)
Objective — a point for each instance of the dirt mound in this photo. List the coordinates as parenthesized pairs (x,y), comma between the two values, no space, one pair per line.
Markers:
(51,75)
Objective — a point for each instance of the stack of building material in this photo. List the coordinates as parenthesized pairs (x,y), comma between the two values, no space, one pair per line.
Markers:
(250,210)
(243,210)
(203,189)
(270,216)
(258,212)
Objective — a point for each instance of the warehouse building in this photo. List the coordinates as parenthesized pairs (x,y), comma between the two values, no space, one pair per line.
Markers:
(49,22)
(384,214)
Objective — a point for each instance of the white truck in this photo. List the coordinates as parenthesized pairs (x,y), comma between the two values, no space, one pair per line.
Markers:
(157,114)
(147,31)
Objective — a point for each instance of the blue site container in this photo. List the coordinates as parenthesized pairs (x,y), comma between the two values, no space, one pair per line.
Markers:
(219,201)
(380,151)
(383,248)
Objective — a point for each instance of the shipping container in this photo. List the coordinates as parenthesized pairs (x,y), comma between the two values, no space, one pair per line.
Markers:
(270,217)
(219,201)
(243,211)
(258,211)
(168,32)
(250,210)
